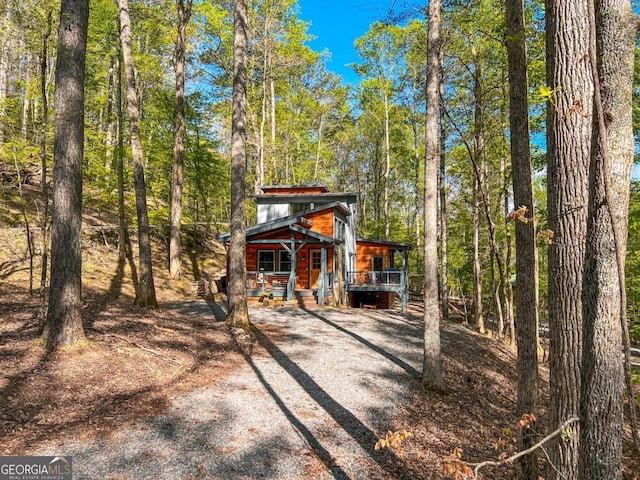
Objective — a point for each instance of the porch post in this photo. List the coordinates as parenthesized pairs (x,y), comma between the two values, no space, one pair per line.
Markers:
(405,280)
(291,284)
(323,273)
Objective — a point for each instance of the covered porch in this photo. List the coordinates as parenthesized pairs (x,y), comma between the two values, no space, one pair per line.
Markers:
(294,265)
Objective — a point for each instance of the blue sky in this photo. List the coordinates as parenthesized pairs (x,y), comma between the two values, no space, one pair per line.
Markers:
(337,23)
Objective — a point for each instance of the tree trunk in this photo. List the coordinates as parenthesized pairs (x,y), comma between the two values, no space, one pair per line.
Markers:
(44,182)
(318,148)
(64,315)
(146,294)
(442,189)
(387,169)
(604,304)
(477,156)
(569,123)
(526,254)
(26,103)
(418,203)
(432,367)
(5,48)
(238,314)
(507,288)
(478,314)
(175,263)
(111,120)
(260,161)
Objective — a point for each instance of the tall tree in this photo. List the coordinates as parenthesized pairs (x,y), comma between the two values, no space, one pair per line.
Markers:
(175,264)
(526,254)
(612,46)
(146,293)
(238,314)
(569,124)
(64,315)
(44,141)
(432,367)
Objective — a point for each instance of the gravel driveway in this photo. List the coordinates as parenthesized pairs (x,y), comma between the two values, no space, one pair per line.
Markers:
(317,390)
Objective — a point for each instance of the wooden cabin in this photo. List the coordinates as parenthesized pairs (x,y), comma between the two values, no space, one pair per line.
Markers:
(304,251)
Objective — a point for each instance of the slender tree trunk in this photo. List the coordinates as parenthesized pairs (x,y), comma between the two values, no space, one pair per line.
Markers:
(111,120)
(238,314)
(507,288)
(477,155)
(569,122)
(526,253)
(318,148)
(387,169)
(146,295)
(418,203)
(123,233)
(26,103)
(64,315)
(604,302)
(44,137)
(5,48)
(478,314)
(175,263)
(260,161)
(442,188)
(272,146)
(432,368)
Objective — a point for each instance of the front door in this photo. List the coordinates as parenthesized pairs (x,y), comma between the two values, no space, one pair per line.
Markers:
(315,267)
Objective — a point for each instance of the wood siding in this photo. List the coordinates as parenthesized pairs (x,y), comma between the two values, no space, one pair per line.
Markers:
(308,190)
(366,251)
(322,222)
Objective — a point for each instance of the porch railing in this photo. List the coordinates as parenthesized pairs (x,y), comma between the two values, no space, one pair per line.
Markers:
(267,279)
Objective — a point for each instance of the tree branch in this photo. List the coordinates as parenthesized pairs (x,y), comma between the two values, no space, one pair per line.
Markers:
(477,466)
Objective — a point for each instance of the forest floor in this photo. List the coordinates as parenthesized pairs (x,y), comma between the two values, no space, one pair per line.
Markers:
(137,363)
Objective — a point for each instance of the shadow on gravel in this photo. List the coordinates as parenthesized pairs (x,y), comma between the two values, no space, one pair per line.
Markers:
(350,423)
(401,363)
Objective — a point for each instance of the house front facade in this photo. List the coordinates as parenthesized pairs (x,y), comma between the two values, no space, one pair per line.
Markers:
(303,249)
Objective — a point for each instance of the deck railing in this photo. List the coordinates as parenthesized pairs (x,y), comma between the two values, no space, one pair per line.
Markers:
(371,277)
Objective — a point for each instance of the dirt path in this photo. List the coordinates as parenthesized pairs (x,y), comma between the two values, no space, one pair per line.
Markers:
(317,389)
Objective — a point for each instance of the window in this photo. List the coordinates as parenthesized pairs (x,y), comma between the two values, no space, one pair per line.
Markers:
(266,260)
(284,261)
(339,229)
(316,260)
(377,264)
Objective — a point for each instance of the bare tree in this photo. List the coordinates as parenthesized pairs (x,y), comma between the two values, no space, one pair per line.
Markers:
(432,368)
(238,314)
(146,293)
(63,325)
